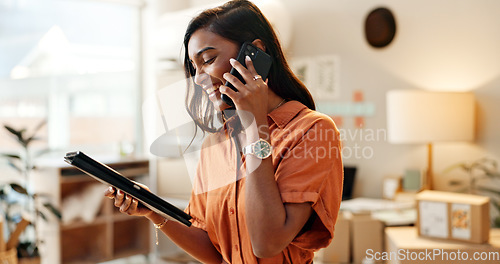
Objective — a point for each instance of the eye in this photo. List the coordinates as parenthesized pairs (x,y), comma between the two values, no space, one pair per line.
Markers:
(209,61)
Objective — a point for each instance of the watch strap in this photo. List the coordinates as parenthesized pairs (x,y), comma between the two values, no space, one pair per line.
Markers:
(250,149)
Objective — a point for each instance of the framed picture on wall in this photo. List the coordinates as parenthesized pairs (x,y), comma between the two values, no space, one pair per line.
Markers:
(413,180)
(320,74)
(391,185)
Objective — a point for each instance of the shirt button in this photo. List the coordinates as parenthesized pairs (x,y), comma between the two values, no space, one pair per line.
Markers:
(231,211)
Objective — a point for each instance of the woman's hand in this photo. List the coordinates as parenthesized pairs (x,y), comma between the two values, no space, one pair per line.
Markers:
(126,203)
(251,97)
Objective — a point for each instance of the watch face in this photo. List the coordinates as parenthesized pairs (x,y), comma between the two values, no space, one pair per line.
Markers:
(262,149)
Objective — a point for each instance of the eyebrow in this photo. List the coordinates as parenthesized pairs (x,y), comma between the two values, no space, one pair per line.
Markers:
(203,50)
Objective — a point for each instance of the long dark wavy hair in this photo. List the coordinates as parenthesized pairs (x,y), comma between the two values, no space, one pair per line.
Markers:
(239,21)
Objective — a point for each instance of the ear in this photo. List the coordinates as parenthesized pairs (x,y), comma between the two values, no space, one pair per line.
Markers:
(259,44)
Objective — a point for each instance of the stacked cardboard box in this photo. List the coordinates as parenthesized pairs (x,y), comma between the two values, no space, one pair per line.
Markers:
(453,216)
(367,237)
(339,251)
(355,235)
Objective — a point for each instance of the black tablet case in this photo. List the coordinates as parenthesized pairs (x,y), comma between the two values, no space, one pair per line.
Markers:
(109,176)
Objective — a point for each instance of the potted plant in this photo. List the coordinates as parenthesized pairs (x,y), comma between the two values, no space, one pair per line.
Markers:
(18,201)
(482,175)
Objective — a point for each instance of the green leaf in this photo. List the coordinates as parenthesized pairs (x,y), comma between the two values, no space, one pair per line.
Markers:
(456,182)
(18,188)
(52,209)
(453,167)
(33,136)
(497,221)
(489,190)
(13,131)
(17,133)
(14,166)
(31,139)
(12,156)
(41,215)
(496,205)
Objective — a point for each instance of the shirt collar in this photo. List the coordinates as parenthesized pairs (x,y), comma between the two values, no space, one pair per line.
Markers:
(283,114)
(232,126)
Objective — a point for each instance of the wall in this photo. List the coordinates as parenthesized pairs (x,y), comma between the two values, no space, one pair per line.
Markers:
(439,45)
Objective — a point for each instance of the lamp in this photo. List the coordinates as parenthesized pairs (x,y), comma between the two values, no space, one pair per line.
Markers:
(427,117)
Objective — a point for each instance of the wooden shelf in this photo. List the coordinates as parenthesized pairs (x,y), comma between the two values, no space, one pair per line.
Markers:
(78,223)
(131,237)
(86,243)
(110,235)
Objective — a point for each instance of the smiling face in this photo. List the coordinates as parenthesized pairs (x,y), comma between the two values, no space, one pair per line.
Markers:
(210,53)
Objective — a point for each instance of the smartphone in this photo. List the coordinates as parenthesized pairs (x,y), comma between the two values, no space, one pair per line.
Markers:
(261,61)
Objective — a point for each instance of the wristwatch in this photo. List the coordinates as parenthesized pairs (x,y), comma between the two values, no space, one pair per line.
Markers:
(260,149)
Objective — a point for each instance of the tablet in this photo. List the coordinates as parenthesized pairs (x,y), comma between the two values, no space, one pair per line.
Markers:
(108,176)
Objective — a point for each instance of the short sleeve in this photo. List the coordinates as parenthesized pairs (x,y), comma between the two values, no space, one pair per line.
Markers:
(198,201)
(310,171)
(196,210)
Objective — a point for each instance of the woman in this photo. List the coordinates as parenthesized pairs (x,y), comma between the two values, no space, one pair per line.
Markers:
(248,207)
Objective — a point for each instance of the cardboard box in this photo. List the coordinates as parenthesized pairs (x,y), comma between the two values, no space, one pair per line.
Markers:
(404,246)
(367,236)
(339,251)
(454,216)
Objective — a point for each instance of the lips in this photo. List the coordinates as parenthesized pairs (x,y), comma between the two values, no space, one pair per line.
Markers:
(211,91)
(214,95)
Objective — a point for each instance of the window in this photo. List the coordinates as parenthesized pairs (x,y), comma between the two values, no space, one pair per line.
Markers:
(74,63)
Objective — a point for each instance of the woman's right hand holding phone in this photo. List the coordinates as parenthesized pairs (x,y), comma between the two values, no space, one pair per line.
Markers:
(126,203)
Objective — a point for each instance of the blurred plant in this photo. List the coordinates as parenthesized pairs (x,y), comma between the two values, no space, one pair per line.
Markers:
(482,169)
(18,201)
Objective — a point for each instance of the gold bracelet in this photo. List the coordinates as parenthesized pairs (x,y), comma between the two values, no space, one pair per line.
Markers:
(159,226)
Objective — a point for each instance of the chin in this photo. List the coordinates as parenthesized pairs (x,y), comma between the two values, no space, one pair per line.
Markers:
(221,105)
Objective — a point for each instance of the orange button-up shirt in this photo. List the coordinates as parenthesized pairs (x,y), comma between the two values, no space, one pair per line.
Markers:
(308,169)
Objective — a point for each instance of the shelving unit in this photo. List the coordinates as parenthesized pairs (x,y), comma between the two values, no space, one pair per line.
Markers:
(111,235)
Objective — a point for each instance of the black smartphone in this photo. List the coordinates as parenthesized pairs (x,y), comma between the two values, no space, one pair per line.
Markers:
(261,61)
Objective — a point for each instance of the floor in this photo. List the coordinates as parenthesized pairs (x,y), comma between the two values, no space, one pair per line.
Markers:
(141,259)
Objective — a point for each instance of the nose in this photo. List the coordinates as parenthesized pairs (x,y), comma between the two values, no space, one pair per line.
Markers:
(202,79)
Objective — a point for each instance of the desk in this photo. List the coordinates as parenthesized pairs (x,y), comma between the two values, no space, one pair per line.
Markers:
(391,213)
(360,226)
(402,244)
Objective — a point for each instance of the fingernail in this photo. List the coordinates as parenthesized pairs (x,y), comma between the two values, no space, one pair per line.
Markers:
(248,58)
(232,61)
(111,189)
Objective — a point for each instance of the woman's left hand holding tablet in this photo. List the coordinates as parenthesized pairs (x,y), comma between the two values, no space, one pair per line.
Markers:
(126,203)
